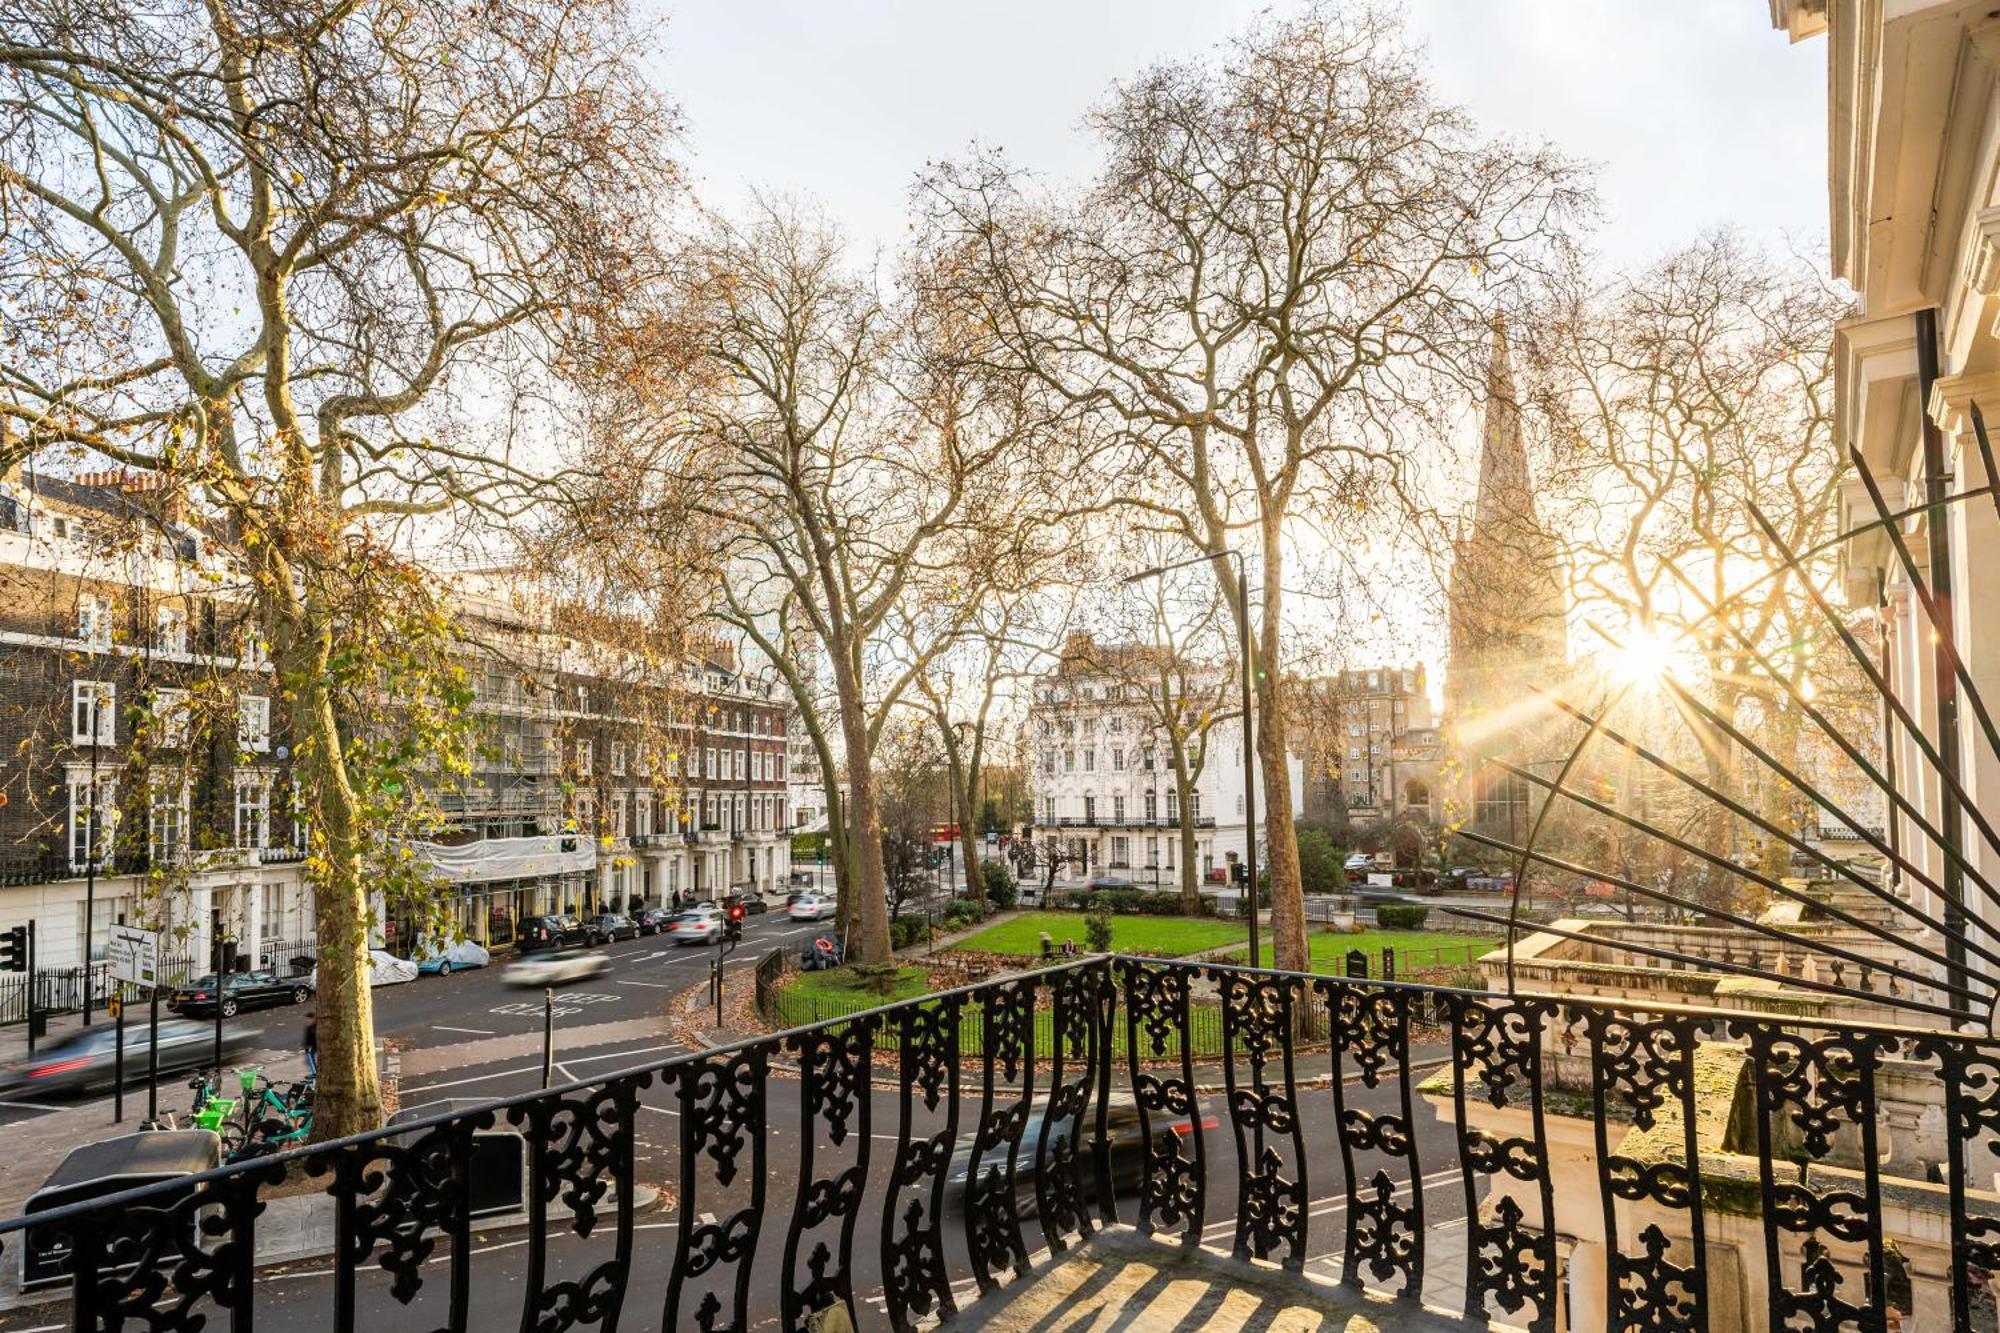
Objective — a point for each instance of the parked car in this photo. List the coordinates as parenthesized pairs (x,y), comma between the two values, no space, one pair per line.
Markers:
(554,931)
(1359,861)
(559,968)
(1128,1149)
(244,990)
(653,920)
(696,926)
(797,894)
(384,969)
(610,927)
(462,956)
(751,903)
(811,908)
(88,1059)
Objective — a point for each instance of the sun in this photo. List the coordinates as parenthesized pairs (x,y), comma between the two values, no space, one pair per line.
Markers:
(1646,658)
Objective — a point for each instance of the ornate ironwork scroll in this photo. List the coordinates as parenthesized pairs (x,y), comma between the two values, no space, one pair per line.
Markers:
(992,1198)
(1810,1093)
(580,1149)
(399,1198)
(1060,1198)
(1642,1063)
(1371,1030)
(1173,1188)
(1258,1013)
(723,1107)
(155,1264)
(913,1272)
(834,1068)
(1510,1257)
(1971,1077)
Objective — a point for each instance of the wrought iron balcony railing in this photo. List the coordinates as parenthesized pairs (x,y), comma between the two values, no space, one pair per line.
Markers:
(1461,1148)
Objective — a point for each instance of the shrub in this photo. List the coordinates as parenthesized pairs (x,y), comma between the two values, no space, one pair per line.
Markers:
(1002,889)
(962,912)
(907,929)
(1320,863)
(1097,931)
(1401,916)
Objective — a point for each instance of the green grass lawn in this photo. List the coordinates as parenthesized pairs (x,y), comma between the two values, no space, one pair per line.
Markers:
(1414,949)
(1151,936)
(811,996)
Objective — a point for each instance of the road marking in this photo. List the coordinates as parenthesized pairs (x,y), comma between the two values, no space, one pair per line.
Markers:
(625,1055)
(43,1106)
(567,1076)
(446,1027)
(656,985)
(476,1078)
(648,1106)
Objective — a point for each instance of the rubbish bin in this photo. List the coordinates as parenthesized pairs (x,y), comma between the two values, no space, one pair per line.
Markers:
(108,1167)
(497,1179)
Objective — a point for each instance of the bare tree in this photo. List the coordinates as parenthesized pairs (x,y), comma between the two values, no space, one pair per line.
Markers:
(858,452)
(1675,401)
(308,262)
(1285,258)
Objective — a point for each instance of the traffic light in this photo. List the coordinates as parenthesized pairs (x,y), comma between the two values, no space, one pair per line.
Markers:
(14,950)
(733,926)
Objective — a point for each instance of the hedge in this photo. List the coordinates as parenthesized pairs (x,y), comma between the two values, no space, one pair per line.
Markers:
(1401,916)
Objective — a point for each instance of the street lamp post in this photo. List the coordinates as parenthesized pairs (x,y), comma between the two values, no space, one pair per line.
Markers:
(1249,735)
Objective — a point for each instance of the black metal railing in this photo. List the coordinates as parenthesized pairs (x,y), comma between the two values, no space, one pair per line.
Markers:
(1713,1168)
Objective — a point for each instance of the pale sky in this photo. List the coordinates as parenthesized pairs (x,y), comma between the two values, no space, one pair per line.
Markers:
(1698,112)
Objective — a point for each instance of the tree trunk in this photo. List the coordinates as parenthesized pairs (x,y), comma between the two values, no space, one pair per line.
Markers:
(1288,904)
(348,1099)
(869,913)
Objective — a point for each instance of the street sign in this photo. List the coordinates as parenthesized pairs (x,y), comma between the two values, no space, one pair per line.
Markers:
(114,1007)
(134,955)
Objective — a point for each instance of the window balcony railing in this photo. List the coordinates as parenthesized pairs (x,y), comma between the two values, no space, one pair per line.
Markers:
(1474,1151)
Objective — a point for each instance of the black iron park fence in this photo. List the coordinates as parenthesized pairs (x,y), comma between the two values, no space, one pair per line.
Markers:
(1704,1164)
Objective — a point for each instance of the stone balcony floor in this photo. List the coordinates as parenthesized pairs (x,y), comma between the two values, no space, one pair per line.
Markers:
(1123,1280)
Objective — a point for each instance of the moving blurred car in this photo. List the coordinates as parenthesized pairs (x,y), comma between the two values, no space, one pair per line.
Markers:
(696,926)
(811,907)
(555,930)
(610,927)
(1359,861)
(460,957)
(1115,882)
(244,990)
(87,1059)
(384,969)
(556,969)
(653,920)
(751,903)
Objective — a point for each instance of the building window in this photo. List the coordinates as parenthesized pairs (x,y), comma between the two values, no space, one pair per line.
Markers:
(585,805)
(1118,809)
(167,822)
(584,758)
(1049,762)
(1146,760)
(1194,806)
(1117,760)
(618,759)
(256,653)
(1090,809)
(618,814)
(1121,856)
(253,724)
(1069,761)
(93,620)
(170,630)
(170,718)
(1173,806)
(1152,806)
(301,830)
(93,712)
(1089,760)
(742,766)
(711,768)
(642,814)
(253,809)
(93,814)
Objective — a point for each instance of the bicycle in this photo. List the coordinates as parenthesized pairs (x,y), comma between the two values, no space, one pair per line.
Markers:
(273,1120)
(217,1114)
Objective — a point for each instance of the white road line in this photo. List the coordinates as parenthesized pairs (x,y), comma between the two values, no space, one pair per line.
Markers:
(446,1027)
(625,1055)
(476,1078)
(655,985)
(42,1106)
(567,1076)
(661,1110)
